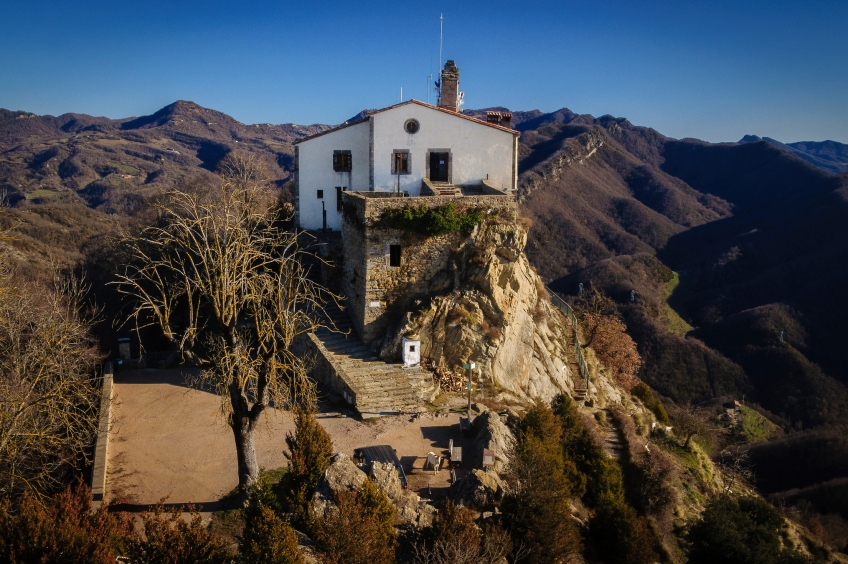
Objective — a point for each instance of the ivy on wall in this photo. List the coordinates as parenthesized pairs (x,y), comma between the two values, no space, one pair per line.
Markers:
(430,221)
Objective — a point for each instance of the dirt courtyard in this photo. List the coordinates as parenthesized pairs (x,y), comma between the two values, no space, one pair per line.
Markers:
(168,440)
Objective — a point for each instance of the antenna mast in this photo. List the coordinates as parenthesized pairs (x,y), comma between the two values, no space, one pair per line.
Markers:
(441,24)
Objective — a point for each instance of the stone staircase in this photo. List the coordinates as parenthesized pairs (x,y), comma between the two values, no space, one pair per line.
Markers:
(580,390)
(613,441)
(375,387)
(445,189)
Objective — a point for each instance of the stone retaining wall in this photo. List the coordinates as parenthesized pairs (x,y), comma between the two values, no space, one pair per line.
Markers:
(377,292)
(325,373)
(101,449)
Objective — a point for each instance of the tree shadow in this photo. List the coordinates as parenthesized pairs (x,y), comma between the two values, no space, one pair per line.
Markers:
(169,376)
(229,502)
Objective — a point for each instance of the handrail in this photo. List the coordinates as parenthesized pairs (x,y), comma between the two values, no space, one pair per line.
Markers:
(563,306)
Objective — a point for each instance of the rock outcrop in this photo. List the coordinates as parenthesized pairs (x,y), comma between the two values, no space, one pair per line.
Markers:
(494,435)
(498,314)
(344,474)
(479,490)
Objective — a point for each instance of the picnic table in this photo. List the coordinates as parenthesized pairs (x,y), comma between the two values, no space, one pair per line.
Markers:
(455,454)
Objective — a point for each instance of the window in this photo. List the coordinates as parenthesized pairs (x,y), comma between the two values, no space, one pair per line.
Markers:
(339,190)
(394,255)
(411,126)
(342,161)
(400,161)
(320,194)
(411,348)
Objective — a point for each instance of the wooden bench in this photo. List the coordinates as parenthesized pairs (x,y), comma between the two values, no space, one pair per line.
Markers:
(454,454)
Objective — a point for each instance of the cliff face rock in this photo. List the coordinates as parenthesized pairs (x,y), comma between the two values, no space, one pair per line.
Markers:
(498,314)
(342,474)
(479,490)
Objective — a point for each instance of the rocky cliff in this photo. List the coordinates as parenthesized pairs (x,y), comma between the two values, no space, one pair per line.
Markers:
(497,314)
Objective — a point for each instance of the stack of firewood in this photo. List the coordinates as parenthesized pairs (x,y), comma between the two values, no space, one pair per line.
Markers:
(449,380)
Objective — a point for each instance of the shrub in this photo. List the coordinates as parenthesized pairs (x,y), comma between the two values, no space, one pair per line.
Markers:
(536,511)
(646,395)
(62,531)
(454,538)
(599,474)
(430,222)
(618,534)
(267,539)
(168,538)
(359,530)
(739,530)
(649,473)
(310,450)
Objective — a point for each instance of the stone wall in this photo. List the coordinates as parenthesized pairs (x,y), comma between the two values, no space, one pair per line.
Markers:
(377,293)
(101,448)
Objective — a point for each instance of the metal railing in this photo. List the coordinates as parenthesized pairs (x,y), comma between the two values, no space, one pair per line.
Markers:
(563,306)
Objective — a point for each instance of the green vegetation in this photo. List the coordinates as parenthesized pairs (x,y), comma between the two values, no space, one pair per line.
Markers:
(129,169)
(267,537)
(536,508)
(361,530)
(430,222)
(556,458)
(43,194)
(646,395)
(674,323)
(756,427)
(740,530)
(310,450)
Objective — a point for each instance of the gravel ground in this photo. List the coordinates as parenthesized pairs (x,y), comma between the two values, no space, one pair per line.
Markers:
(170,441)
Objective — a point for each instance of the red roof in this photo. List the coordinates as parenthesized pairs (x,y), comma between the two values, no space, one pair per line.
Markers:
(357,122)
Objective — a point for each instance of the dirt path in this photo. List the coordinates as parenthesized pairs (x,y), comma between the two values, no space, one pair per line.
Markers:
(168,440)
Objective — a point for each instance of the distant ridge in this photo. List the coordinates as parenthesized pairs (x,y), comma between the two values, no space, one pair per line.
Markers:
(831,156)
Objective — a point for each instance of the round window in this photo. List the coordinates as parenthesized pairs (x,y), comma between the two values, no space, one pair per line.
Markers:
(411,126)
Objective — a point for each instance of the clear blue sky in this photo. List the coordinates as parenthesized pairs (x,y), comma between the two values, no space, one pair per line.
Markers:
(711,70)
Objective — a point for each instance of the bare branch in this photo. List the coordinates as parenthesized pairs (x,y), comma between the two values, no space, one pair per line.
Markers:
(228,289)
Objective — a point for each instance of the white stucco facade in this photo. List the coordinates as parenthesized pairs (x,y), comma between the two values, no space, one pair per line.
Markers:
(475,151)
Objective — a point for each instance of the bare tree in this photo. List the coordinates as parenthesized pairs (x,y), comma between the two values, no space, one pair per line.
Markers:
(736,467)
(606,333)
(454,538)
(691,421)
(48,398)
(227,287)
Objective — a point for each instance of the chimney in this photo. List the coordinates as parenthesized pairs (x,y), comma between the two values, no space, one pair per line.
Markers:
(449,98)
(506,119)
(493,117)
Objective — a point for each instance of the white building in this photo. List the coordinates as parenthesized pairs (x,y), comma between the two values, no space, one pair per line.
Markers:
(403,148)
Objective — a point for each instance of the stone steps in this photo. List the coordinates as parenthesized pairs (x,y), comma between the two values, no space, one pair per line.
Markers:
(379,387)
(613,440)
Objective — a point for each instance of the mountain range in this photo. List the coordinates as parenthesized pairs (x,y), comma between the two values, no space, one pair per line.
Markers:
(736,251)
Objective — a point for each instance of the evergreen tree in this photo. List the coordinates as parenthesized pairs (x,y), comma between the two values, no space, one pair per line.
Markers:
(310,450)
